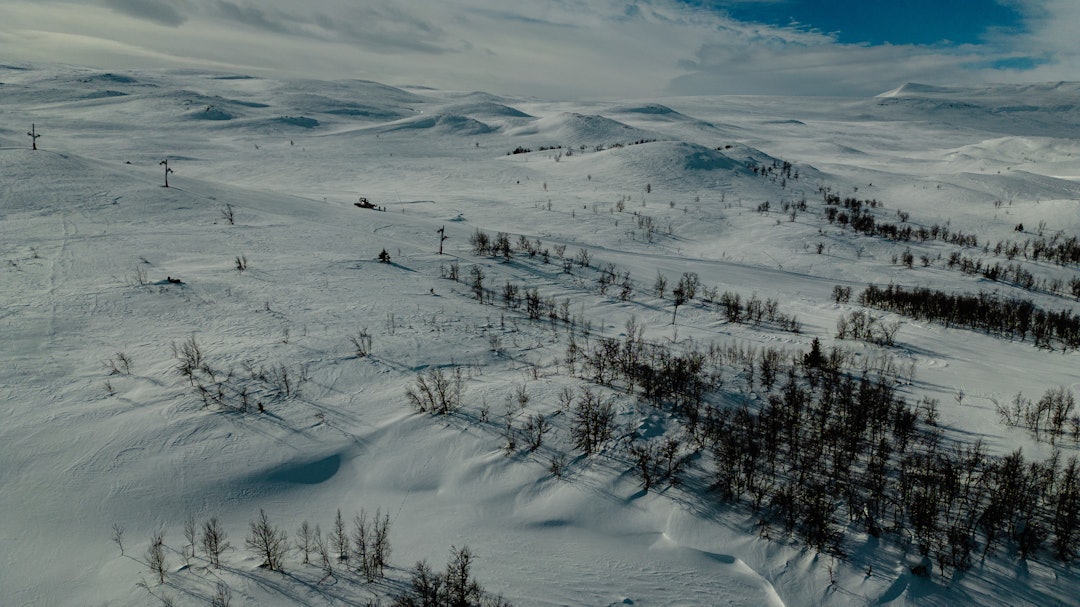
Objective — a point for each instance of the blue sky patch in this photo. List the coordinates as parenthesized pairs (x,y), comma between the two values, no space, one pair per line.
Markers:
(876,22)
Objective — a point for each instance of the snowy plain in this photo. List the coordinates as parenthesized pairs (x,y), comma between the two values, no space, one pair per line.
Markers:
(89,237)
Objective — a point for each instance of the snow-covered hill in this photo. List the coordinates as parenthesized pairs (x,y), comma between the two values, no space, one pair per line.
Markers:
(257,256)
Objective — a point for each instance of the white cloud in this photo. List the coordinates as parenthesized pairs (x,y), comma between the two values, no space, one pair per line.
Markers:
(1050,39)
(156,11)
(552,48)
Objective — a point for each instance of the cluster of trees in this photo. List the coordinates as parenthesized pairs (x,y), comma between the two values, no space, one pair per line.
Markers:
(365,547)
(456,587)
(856,213)
(791,208)
(1013,273)
(784,169)
(608,276)
(611,276)
(593,422)
(437,391)
(823,448)
(570,151)
(483,244)
(617,145)
(513,295)
(1064,251)
(659,374)
(753,310)
(658,461)
(1010,317)
(232,390)
(1050,417)
(860,325)
(1056,249)
(647,225)
(500,246)
(832,449)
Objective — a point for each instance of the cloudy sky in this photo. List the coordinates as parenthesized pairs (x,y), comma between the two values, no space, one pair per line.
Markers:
(568,48)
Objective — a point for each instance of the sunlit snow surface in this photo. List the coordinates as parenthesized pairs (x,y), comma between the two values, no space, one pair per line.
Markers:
(85,219)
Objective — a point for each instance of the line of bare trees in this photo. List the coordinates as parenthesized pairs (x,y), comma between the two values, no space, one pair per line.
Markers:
(1010,317)
(363,546)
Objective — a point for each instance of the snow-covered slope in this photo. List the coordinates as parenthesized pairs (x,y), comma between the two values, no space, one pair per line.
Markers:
(1048,109)
(100,429)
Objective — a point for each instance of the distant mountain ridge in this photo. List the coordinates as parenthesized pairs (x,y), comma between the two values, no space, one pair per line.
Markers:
(915,89)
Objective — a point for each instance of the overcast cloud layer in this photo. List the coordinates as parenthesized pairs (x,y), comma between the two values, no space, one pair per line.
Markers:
(546,48)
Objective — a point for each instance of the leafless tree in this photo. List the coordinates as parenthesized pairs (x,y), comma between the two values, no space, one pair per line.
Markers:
(361,343)
(267,541)
(214,541)
(437,391)
(593,421)
(583,258)
(361,544)
(380,554)
(678,298)
(536,426)
(339,539)
(118,536)
(305,541)
(325,553)
(426,588)
(119,364)
(155,556)
(191,534)
(461,588)
(191,358)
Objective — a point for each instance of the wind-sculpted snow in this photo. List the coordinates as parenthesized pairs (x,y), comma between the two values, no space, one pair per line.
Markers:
(484,109)
(357,107)
(677,125)
(440,124)
(365,90)
(305,473)
(576,129)
(686,164)
(374,113)
(257,256)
